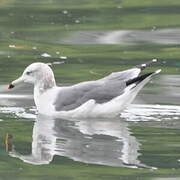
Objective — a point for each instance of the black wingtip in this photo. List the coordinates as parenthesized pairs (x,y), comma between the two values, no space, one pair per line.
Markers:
(147,64)
(138,79)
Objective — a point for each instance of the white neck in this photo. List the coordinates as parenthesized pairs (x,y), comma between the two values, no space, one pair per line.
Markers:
(41,87)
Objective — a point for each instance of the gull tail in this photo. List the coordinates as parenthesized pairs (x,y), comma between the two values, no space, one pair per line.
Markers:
(140,78)
(147,64)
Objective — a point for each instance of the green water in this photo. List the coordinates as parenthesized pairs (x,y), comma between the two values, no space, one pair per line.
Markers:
(82,42)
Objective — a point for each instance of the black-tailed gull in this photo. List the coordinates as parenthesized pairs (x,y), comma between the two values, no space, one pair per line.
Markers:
(105,97)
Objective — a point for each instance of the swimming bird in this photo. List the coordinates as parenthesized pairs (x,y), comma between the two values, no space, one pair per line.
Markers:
(105,97)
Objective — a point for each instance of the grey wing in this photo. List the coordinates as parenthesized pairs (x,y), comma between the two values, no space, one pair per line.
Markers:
(130,73)
(72,97)
(123,75)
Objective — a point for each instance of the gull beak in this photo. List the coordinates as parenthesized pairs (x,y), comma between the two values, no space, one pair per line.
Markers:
(11,86)
(16,82)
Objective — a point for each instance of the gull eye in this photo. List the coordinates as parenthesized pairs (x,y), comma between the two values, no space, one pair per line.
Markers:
(28,72)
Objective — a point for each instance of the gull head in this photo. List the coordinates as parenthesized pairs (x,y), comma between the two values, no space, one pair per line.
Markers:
(38,74)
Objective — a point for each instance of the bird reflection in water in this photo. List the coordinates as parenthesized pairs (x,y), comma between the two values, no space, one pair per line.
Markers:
(106,142)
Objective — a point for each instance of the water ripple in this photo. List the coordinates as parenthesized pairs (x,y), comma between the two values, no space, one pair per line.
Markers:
(144,112)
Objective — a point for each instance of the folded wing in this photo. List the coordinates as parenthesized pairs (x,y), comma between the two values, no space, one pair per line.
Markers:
(101,91)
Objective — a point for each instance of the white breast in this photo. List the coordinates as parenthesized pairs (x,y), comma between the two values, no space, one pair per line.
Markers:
(44,101)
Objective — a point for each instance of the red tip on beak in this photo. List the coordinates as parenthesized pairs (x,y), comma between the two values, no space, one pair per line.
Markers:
(11,86)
